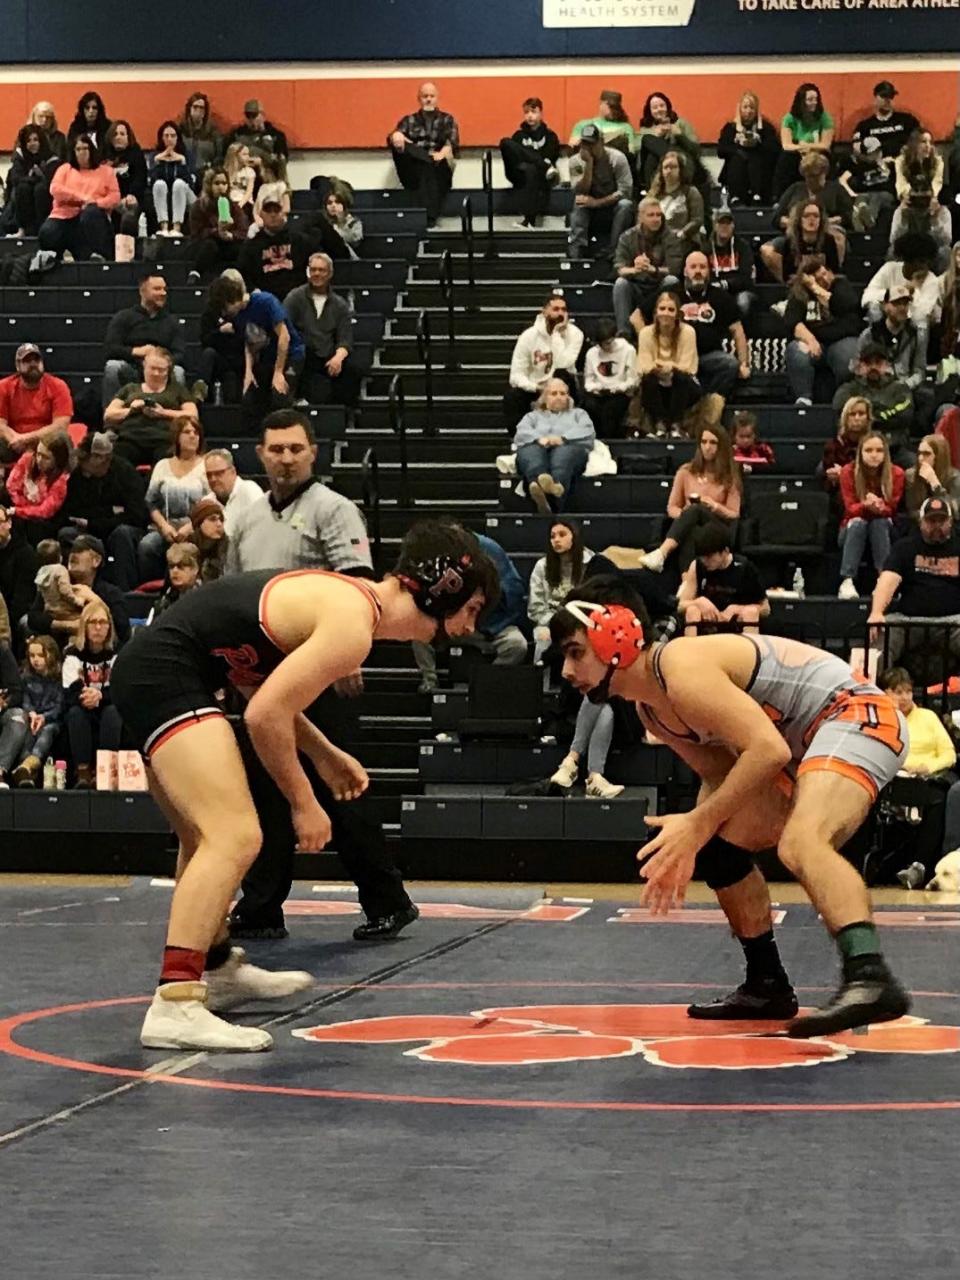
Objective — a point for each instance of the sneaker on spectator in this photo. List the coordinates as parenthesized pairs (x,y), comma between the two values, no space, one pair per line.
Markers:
(193,277)
(566,774)
(523,225)
(600,789)
(199,391)
(803,402)
(539,498)
(848,590)
(553,488)
(912,877)
(653,560)
(779,308)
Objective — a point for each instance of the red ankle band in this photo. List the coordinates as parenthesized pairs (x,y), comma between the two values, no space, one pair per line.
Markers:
(180,964)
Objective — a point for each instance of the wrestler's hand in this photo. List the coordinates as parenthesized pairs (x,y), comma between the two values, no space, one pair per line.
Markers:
(671,856)
(312,827)
(345,776)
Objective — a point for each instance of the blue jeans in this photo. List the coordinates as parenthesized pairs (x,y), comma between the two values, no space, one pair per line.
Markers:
(854,538)
(593,734)
(41,745)
(717,373)
(564,462)
(616,218)
(91,231)
(802,367)
(13,730)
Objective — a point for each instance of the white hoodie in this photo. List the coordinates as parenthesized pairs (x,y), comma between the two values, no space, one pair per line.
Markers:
(623,376)
(539,354)
(925,305)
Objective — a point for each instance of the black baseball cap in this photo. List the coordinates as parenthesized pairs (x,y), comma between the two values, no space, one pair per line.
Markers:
(589,133)
(874,351)
(935,509)
(87,542)
(884,90)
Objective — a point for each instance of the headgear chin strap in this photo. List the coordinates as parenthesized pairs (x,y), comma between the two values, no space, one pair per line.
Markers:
(614,633)
(442,586)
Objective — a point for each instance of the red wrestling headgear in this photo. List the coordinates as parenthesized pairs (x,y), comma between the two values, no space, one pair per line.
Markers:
(614,632)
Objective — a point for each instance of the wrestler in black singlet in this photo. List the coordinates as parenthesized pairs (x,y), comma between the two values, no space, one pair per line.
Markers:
(168,677)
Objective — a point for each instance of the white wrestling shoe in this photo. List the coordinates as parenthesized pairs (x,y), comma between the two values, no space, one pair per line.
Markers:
(178,1018)
(239,982)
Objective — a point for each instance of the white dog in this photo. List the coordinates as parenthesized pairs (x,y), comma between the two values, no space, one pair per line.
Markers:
(946,877)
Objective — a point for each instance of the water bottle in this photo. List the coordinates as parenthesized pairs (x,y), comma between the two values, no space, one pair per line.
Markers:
(218,393)
(798,583)
(61,775)
(49,775)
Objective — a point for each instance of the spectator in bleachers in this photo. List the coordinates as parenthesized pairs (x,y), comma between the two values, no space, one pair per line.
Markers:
(748,146)
(13,718)
(105,498)
(869,181)
(141,412)
(93,722)
(932,477)
(603,193)
(28,182)
(750,453)
(275,259)
(177,483)
(38,485)
(609,379)
(948,366)
(257,132)
(924,568)
(613,123)
(530,157)
(201,138)
(647,256)
(43,114)
(822,317)
(33,403)
(550,348)
(172,181)
(891,403)
(18,568)
(914,258)
(680,201)
(806,127)
(715,318)
(554,576)
(425,145)
(273,348)
(43,707)
(856,419)
(183,574)
(209,537)
(891,129)
(134,332)
(125,156)
(222,355)
(592,738)
(919,179)
(85,194)
(323,319)
(708,487)
(232,492)
(337,211)
(91,120)
(215,239)
(815,184)
(720,591)
(662,130)
(552,444)
(271,186)
(85,564)
(808,234)
(904,342)
(53,583)
(667,365)
(242,175)
(731,261)
(931,756)
(871,489)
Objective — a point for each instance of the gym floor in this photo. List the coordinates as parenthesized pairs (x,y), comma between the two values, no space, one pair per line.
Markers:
(512,1087)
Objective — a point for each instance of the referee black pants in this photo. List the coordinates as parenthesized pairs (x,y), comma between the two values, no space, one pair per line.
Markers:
(357,836)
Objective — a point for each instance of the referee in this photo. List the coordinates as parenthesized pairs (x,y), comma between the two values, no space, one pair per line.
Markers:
(301,524)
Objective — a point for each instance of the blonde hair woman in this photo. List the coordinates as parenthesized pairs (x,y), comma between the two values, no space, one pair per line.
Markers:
(748,146)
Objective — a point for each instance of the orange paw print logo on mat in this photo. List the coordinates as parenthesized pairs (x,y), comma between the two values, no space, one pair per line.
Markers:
(523,1035)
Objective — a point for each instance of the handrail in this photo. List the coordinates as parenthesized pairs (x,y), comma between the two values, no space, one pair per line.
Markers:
(426,360)
(466,229)
(446,292)
(486,173)
(399,428)
(370,497)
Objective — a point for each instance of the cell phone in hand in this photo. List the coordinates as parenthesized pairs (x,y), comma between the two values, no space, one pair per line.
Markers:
(223,209)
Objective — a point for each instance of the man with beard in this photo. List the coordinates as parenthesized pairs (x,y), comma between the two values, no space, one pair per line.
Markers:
(32,404)
(549,349)
(791,749)
(890,399)
(714,317)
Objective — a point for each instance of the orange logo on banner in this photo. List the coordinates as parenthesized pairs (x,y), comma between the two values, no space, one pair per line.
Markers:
(663,1034)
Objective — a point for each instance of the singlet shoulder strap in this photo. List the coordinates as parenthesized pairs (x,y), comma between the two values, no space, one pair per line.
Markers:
(375,606)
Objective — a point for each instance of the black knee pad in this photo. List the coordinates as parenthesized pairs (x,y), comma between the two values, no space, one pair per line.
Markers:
(721,864)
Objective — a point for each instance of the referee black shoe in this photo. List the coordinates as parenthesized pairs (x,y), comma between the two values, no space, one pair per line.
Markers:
(382,928)
(856,1004)
(766,1000)
(251,929)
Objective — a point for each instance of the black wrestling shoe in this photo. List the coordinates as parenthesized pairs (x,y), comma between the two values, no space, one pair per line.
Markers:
(856,1004)
(380,928)
(251,929)
(768,1000)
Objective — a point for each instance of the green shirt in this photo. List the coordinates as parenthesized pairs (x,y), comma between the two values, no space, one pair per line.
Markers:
(137,424)
(609,131)
(808,130)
